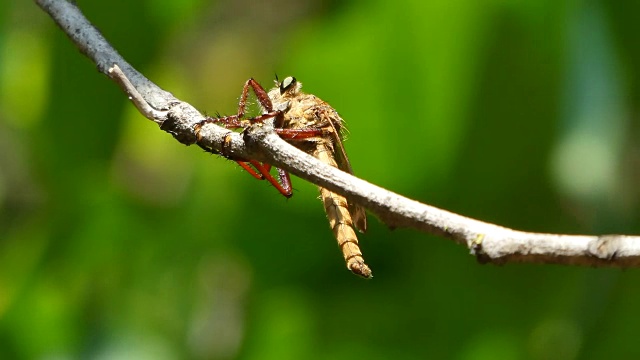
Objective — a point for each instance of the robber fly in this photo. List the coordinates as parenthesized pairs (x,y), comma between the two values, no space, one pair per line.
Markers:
(312,125)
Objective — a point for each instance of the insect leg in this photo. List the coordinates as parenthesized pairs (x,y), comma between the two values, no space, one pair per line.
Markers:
(263,117)
(236,121)
(228,122)
(284,188)
(285,180)
(300,134)
(245,165)
(255,168)
(260,92)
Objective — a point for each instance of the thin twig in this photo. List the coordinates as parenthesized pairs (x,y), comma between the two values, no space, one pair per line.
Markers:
(136,98)
(488,242)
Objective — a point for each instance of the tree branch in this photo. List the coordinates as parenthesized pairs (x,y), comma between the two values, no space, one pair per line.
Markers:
(488,242)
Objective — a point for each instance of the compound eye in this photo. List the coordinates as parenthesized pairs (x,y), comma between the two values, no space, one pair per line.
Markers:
(288,83)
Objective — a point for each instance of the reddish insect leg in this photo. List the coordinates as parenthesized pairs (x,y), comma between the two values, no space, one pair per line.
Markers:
(261,94)
(236,121)
(257,169)
(299,134)
(245,165)
(284,186)
(285,181)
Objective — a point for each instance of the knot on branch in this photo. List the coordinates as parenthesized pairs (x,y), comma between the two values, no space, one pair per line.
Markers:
(257,133)
(605,247)
(180,122)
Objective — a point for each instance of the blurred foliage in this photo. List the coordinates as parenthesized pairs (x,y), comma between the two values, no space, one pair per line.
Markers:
(117,242)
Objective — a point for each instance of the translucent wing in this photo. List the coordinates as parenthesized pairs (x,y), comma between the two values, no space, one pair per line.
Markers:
(357,212)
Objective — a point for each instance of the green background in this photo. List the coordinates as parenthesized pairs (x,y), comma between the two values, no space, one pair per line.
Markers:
(117,242)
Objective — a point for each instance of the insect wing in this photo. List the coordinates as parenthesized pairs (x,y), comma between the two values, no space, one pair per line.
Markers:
(357,212)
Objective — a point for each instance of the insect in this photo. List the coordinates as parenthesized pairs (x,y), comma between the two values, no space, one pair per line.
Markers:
(313,126)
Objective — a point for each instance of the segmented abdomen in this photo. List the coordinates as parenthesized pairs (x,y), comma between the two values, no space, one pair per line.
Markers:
(340,220)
